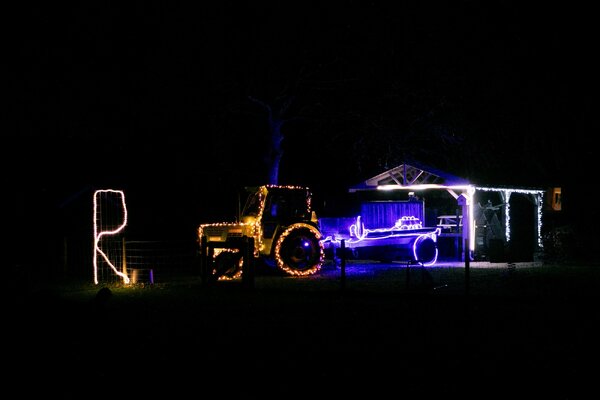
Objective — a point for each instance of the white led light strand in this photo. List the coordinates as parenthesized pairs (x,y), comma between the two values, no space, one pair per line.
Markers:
(507,193)
(407,226)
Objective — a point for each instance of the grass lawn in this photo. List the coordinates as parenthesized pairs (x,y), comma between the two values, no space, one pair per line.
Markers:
(529,330)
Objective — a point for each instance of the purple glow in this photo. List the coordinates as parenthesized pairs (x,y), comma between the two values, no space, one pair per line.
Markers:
(385,213)
(405,232)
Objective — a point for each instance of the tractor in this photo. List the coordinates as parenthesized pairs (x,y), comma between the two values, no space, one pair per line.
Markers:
(284,229)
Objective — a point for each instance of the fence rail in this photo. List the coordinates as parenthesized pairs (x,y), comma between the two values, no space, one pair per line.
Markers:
(161,260)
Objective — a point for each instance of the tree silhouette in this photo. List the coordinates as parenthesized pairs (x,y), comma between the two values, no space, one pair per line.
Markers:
(368,126)
(276,118)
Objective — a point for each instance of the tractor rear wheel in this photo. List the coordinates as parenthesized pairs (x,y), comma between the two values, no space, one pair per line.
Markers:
(298,250)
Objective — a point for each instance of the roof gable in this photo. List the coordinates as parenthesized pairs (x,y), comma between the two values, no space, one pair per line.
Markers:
(410,175)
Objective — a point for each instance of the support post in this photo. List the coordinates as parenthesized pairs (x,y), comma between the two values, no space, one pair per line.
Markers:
(464,200)
(343,264)
(467,266)
(124,256)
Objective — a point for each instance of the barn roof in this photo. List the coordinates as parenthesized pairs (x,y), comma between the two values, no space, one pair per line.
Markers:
(406,175)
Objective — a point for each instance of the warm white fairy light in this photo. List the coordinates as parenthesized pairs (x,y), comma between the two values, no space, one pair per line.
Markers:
(99,235)
(257,234)
(286,187)
(251,226)
(238,273)
(282,264)
(243,230)
(203,227)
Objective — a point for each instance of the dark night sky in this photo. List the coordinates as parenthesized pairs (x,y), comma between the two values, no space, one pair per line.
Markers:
(153,96)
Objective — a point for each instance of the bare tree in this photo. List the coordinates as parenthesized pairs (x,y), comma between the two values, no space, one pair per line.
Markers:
(276,118)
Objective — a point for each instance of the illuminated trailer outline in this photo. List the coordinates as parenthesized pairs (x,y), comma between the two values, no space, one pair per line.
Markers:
(407,234)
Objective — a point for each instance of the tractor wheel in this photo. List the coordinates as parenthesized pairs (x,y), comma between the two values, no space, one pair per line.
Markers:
(298,250)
